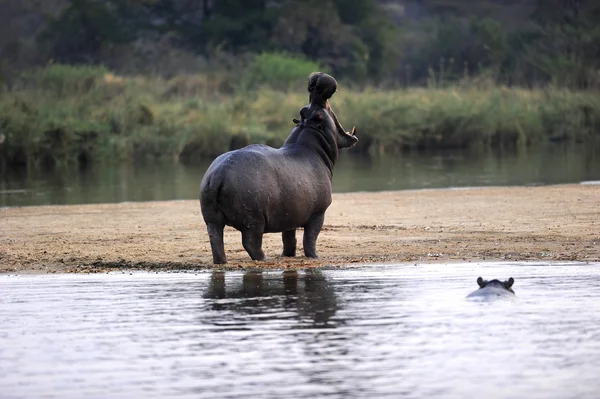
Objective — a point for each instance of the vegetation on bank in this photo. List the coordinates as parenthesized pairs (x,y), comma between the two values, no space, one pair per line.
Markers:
(64,114)
(188,78)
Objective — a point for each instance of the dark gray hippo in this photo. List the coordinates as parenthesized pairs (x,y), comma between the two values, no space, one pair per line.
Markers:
(258,189)
(493,288)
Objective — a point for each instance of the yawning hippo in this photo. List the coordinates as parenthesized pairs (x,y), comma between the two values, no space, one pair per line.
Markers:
(258,189)
(493,288)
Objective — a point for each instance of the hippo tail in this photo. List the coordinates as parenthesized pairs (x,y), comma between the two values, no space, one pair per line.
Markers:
(210,189)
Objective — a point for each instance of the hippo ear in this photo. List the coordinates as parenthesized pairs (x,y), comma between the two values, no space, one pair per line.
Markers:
(510,282)
(480,282)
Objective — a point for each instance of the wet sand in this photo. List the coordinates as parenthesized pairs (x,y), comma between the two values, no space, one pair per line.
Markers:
(479,224)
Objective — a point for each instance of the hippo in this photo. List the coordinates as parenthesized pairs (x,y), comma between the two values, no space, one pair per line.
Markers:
(493,288)
(259,189)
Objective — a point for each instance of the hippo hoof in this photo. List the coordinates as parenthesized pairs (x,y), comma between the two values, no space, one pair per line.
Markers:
(257,255)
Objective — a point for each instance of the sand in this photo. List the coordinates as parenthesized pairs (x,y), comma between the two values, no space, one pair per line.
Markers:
(546,223)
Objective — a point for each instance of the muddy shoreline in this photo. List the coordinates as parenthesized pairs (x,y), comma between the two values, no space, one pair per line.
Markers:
(442,226)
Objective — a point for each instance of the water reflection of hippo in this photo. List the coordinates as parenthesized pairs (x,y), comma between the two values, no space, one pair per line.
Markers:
(259,189)
(310,296)
(493,288)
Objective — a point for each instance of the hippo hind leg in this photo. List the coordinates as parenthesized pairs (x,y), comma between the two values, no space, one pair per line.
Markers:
(311,232)
(289,243)
(215,235)
(252,242)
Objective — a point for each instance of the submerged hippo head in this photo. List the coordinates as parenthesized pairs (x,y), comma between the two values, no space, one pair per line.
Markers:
(496,283)
(493,287)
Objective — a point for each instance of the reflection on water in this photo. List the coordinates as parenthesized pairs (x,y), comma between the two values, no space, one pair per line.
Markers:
(307,298)
(550,164)
(381,331)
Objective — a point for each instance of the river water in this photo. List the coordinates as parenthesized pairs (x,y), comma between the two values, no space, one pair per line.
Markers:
(109,183)
(382,331)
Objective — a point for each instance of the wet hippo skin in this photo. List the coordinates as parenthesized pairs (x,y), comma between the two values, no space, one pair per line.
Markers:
(258,189)
(493,288)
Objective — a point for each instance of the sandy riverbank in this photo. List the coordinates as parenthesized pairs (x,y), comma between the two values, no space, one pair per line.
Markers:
(516,223)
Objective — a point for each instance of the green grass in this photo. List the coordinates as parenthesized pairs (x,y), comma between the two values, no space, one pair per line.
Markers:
(71,115)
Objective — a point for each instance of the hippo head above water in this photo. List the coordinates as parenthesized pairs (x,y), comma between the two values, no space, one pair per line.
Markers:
(496,283)
(258,189)
(494,288)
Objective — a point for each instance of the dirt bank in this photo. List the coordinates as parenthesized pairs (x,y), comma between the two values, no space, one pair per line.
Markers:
(517,223)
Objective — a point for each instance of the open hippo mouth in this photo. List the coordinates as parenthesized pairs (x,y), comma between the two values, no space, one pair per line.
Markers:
(351,135)
(320,88)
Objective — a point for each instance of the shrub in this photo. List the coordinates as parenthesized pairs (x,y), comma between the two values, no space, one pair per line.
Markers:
(278,71)
(65,80)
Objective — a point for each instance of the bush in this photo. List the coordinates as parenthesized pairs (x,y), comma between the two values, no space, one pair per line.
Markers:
(65,80)
(132,118)
(278,71)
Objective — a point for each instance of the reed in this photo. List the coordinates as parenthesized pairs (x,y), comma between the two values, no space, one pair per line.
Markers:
(58,116)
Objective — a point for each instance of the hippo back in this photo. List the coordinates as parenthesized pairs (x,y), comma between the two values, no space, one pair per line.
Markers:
(259,185)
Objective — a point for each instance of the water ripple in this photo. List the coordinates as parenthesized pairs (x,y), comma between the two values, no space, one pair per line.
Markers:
(382,331)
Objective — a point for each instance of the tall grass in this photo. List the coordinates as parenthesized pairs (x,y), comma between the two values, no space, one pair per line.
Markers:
(70,115)
(461,118)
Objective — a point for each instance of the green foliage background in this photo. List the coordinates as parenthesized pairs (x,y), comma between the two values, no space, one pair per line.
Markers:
(387,42)
(74,115)
(82,80)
